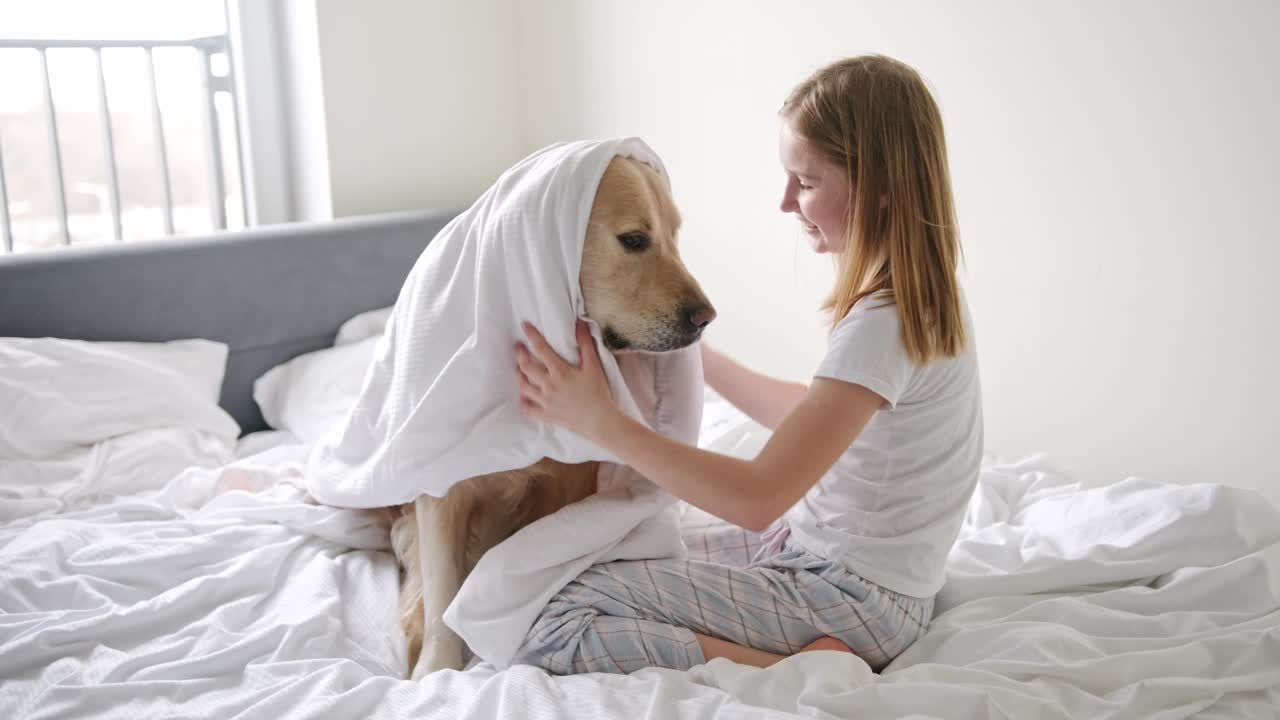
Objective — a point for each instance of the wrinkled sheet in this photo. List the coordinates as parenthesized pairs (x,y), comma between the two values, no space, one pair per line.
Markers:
(228,593)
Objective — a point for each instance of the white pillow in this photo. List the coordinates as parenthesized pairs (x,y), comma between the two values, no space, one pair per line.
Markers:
(311,393)
(85,420)
(62,394)
(365,325)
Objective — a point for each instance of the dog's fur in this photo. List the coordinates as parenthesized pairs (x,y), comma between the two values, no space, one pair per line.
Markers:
(642,296)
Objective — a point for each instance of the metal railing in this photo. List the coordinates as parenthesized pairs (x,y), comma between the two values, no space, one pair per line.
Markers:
(211,84)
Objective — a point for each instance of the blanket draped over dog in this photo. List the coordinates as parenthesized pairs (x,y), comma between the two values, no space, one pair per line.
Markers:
(440,403)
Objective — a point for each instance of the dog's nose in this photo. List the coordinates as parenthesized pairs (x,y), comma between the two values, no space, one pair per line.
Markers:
(700,315)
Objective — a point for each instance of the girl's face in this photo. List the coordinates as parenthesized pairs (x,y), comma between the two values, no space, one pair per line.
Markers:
(817,192)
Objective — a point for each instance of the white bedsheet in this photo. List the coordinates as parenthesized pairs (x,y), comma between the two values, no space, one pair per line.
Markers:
(227,594)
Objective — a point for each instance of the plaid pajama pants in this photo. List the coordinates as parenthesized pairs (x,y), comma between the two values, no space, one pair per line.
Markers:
(764,592)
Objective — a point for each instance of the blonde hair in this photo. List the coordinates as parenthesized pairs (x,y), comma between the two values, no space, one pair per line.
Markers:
(874,116)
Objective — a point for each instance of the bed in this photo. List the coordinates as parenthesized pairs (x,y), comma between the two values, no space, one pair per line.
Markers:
(159,558)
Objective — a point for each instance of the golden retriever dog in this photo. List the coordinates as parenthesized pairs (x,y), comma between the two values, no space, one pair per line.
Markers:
(638,290)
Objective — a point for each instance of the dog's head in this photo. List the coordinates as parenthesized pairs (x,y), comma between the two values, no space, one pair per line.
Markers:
(633,281)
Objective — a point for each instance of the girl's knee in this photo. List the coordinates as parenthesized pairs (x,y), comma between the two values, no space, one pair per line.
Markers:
(553,643)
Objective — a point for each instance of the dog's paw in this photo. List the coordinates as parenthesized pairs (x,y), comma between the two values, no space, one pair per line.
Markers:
(441,651)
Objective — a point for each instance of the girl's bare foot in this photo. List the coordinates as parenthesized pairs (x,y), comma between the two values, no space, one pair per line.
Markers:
(715,647)
(827,643)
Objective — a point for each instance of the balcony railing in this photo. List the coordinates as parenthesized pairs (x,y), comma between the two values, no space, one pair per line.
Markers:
(211,84)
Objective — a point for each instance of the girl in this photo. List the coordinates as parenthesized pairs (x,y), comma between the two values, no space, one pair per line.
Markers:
(869,469)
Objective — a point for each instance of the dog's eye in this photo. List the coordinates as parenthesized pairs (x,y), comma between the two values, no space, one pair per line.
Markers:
(634,242)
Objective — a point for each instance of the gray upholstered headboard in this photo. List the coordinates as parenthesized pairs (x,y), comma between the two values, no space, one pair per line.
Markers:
(270,293)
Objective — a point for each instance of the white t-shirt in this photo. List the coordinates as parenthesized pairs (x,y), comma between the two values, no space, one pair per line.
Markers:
(890,507)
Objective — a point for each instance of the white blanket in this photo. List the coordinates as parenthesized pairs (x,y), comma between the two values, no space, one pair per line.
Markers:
(230,595)
(441,402)
(83,420)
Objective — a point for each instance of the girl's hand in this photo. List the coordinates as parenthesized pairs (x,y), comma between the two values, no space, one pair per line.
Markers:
(574,396)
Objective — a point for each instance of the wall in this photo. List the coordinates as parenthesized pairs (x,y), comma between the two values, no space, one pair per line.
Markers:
(420,100)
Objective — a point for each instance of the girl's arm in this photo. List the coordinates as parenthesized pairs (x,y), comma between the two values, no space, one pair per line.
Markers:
(749,493)
(765,399)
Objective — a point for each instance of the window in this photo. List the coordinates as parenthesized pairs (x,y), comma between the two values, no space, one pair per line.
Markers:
(118,121)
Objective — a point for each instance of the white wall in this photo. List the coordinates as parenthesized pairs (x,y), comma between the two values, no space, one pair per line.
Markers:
(1115,166)
(420,100)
